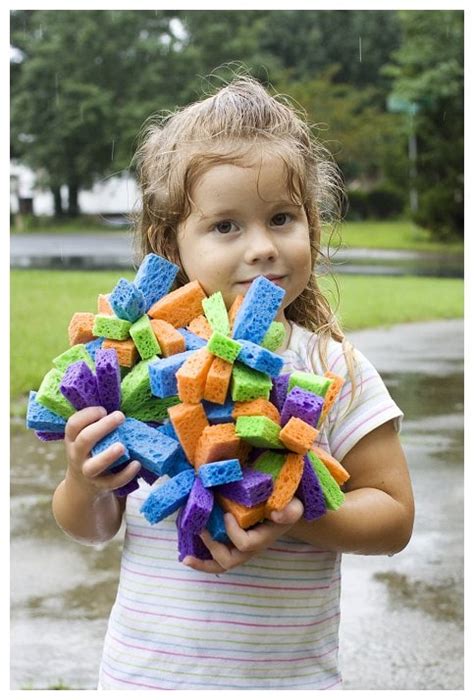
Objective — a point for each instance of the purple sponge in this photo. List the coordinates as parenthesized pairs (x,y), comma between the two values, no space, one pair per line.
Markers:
(189,544)
(279,390)
(46,436)
(255,487)
(79,386)
(198,508)
(302,404)
(310,493)
(107,371)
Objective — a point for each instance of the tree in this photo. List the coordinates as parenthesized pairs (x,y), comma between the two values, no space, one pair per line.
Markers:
(427,70)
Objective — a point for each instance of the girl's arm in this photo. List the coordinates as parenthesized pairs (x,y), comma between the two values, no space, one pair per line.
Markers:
(84,504)
(377,514)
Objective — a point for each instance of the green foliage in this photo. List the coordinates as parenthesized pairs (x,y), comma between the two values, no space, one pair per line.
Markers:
(428,70)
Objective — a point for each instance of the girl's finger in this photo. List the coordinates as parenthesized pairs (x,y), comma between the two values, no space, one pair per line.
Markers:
(90,435)
(110,482)
(207,566)
(81,419)
(95,466)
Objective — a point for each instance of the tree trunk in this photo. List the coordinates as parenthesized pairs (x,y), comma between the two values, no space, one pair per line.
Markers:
(58,205)
(73,203)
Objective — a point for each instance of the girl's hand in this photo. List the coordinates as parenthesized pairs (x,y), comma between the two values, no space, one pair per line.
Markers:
(246,543)
(83,430)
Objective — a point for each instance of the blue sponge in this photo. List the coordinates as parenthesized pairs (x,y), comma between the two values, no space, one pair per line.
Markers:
(258,309)
(93,345)
(216,526)
(259,358)
(154,450)
(115,436)
(218,473)
(127,301)
(219,413)
(168,497)
(154,278)
(39,417)
(193,341)
(162,374)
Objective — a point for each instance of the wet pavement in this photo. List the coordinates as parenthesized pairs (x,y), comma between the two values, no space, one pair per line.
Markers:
(402,616)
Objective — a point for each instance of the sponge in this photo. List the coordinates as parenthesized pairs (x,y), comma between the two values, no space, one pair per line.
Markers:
(218,473)
(103,305)
(127,301)
(259,431)
(332,393)
(136,387)
(334,467)
(154,450)
(302,404)
(218,381)
(333,496)
(198,508)
(259,308)
(286,483)
(108,379)
(224,347)
(216,443)
(245,516)
(40,418)
(257,407)
(49,394)
(279,390)
(201,327)
(73,354)
(219,413)
(92,346)
(254,488)
(248,384)
(181,306)
(298,436)
(275,336)
(169,339)
(163,374)
(79,386)
(168,497)
(216,313)
(260,358)
(190,544)
(111,327)
(311,382)
(144,338)
(189,420)
(126,350)
(80,329)
(216,525)
(270,463)
(310,493)
(193,341)
(191,376)
(155,277)
(236,304)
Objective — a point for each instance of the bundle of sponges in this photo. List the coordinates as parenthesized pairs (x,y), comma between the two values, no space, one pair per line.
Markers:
(204,401)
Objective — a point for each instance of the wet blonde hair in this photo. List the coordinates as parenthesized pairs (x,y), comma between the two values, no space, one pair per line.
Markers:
(177,148)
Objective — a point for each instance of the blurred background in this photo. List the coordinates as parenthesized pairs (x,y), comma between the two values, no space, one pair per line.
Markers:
(384,91)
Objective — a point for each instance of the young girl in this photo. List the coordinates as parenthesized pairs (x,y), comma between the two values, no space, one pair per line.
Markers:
(234,187)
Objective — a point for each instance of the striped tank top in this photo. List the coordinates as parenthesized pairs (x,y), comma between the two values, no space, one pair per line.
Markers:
(271,623)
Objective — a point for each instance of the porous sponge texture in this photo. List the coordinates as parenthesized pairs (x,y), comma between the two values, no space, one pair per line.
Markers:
(169,339)
(201,327)
(218,473)
(257,407)
(259,431)
(248,384)
(168,497)
(260,358)
(217,443)
(127,353)
(218,381)
(198,508)
(274,337)
(245,516)
(111,327)
(311,382)
(333,496)
(332,393)
(127,301)
(73,354)
(254,488)
(298,436)
(155,277)
(81,328)
(302,404)
(163,381)
(191,376)
(224,347)
(79,386)
(286,483)
(154,450)
(49,394)
(216,313)
(189,421)
(335,468)
(40,418)
(107,372)
(180,306)
(144,338)
(259,308)
(310,493)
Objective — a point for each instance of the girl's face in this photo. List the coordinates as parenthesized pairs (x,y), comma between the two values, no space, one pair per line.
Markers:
(243,224)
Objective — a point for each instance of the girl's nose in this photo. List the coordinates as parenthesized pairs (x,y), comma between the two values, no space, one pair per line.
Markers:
(260,246)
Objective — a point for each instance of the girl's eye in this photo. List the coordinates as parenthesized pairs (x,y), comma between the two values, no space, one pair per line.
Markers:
(224,227)
(281,219)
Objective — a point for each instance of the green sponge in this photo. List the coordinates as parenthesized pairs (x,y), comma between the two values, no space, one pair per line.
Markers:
(248,384)
(153,409)
(49,394)
(333,496)
(223,347)
(144,338)
(77,352)
(311,382)
(259,431)
(270,463)
(274,337)
(135,388)
(216,313)
(111,327)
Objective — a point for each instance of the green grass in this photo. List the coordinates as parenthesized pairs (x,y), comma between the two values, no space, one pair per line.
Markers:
(42,303)
(401,235)
(85,225)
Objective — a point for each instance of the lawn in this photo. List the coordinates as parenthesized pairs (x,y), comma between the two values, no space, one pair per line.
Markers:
(42,303)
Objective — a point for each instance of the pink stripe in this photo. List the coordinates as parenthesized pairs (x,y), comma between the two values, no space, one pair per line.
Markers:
(218,582)
(227,622)
(220,658)
(366,420)
(359,386)
(150,537)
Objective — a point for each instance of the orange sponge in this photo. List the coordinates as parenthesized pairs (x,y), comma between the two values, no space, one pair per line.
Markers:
(236,304)
(217,442)
(201,327)
(334,467)
(126,350)
(246,516)
(191,376)
(189,421)
(170,340)
(103,305)
(218,380)
(181,306)
(257,407)
(80,328)
(298,436)
(286,483)
(331,394)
